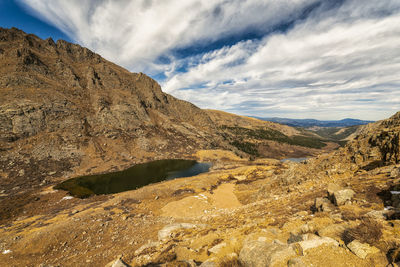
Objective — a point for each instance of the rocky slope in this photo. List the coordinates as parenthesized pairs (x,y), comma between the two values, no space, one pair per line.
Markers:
(65,110)
(327,211)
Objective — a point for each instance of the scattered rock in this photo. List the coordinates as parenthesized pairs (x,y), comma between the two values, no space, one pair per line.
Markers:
(147,248)
(261,254)
(378,214)
(217,248)
(334,231)
(208,264)
(167,231)
(323,204)
(117,263)
(339,196)
(316,242)
(293,238)
(362,250)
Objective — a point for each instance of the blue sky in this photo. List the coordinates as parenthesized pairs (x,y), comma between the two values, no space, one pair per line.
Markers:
(12,14)
(319,59)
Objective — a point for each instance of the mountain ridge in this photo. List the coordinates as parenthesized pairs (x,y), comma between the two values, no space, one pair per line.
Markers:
(314,122)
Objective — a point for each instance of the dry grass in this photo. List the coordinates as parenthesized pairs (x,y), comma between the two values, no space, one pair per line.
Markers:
(368,231)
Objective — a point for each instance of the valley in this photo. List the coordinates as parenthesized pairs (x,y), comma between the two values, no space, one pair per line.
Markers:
(66,112)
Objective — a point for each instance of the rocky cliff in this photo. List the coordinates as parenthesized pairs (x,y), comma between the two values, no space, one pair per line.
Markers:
(63,105)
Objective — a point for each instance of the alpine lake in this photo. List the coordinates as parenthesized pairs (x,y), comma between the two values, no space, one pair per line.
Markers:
(135,177)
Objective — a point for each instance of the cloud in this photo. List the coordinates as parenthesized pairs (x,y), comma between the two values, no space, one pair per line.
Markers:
(310,58)
(136,33)
(324,67)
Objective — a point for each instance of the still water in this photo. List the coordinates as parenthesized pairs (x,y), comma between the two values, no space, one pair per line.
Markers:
(294,159)
(132,178)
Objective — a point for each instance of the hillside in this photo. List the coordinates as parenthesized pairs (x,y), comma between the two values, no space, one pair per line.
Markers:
(268,139)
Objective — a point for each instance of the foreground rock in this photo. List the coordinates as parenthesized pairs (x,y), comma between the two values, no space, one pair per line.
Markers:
(339,196)
(261,254)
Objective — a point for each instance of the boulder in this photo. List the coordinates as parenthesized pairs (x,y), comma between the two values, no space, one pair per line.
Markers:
(338,195)
(263,254)
(334,231)
(379,215)
(342,196)
(362,250)
(217,248)
(323,204)
(167,231)
(316,242)
(148,248)
(117,263)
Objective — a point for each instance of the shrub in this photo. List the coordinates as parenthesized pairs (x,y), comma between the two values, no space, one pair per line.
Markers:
(368,231)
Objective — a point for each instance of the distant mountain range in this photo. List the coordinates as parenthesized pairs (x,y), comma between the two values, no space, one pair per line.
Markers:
(312,122)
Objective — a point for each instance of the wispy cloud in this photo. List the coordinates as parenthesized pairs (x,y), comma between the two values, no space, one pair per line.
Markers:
(311,58)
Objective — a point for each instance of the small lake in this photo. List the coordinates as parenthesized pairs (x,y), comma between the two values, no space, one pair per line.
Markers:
(132,178)
(294,159)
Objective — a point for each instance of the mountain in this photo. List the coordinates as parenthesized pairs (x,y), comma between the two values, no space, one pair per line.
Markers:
(65,110)
(64,107)
(319,123)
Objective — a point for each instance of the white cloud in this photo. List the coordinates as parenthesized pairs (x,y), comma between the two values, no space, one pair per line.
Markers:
(339,61)
(135,33)
(327,67)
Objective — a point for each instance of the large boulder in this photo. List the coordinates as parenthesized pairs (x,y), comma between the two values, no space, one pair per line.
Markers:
(263,254)
(338,195)
(362,250)
(316,242)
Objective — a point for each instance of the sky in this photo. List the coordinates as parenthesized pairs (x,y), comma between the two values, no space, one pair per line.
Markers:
(322,59)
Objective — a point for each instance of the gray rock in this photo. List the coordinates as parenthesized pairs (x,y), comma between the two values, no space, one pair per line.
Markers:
(378,214)
(323,204)
(167,231)
(316,242)
(296,262)
(293,238)
(362,250)
(147,248)
(262,254)
(117,263)
(338,195)
(217,248)
(208,264)
(332,188)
